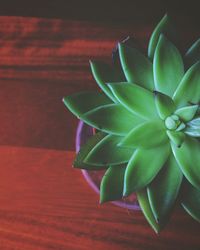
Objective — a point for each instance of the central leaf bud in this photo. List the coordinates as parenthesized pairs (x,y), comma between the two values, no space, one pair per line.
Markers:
(172,122)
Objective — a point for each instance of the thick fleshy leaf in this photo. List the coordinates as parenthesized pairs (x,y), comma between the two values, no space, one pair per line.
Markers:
(164,27)
(113,118)
(176,137)
(116,58)
(172,123)
(85,150)
(112,184)
(187,113)
(149,134)
(106,152)
(191,201)
(168,67)
(104,73)
(164,189)
(181,127)
(193,128)
(136,99)
(143,167)
(83,102)
(164,104)
(146,209)
(188,158)
(193,131)
(116,61)
(195,122)
(137,68)
(193,54)
(188,90)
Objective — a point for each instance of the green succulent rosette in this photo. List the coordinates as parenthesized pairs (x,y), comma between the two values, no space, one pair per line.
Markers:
(148,121)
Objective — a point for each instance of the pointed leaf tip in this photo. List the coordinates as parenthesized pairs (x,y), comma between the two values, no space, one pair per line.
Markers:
(164,26)
(82,102)
(106,152)
(193,54)
(176,137)
(164,189)
(167,66)
(187,113)
(106,118)
(137,68)
(147,211)
(136,99)
(85,150)
(188,91)
(191,200)
(164,104)
(143,166)
(193,128)
(112,183)
(104,73)
(188,158)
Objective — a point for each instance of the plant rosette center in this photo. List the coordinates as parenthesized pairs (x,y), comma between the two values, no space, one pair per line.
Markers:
(172,122)
(148,121)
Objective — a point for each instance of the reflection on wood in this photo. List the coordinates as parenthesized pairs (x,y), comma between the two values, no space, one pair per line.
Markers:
(43,60)
(46,204)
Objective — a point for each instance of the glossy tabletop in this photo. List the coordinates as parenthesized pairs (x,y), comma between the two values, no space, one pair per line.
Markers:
(44,203)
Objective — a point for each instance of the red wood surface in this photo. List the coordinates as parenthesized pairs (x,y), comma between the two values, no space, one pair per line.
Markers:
(45,203)
(43,60)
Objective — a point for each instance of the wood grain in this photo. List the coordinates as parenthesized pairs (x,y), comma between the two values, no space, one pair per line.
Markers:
(46,204)
(43,60)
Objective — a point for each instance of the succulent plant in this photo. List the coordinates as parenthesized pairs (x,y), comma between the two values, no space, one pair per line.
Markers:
(147,118)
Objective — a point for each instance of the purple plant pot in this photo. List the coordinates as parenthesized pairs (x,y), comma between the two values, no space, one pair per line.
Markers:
(93,178)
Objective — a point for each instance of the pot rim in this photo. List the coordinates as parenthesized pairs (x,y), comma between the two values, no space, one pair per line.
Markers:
(85,173)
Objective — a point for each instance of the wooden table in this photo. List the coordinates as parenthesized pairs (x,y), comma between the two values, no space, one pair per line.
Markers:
(45,203)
